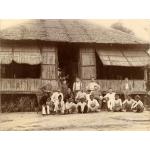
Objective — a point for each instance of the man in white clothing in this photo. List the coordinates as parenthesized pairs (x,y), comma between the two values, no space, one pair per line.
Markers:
(93,104)
(59,105)
(77,85)
(110,96)
(92,84)
(55,96)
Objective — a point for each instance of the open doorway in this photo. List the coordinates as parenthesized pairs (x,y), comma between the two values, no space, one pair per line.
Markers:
(68,58)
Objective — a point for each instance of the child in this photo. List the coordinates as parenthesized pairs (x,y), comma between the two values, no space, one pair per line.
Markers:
(110,96)
(43,103)
(82,106)
(93,104)
(138,105)
(49,106)
(70,106)
(59,105)
(127,104)
(117,105)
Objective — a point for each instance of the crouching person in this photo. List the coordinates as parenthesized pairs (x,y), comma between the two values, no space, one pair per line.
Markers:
(59,106)
(138,106)
(93,104)
(70,106)
(117,104)
(82,106)
(50,106)
(127,104)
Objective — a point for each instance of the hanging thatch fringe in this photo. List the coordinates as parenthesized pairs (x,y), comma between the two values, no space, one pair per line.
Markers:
(31,58)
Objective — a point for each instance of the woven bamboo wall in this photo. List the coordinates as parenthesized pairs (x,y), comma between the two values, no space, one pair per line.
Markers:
(138,86)
(87,63)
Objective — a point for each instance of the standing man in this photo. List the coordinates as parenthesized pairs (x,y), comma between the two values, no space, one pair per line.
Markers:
(127,88)
(110,96)
(92,84)
(77,86)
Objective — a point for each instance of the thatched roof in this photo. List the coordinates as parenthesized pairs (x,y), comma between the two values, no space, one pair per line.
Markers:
(72,31)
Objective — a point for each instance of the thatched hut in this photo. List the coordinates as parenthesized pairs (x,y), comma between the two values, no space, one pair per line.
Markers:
(31,52)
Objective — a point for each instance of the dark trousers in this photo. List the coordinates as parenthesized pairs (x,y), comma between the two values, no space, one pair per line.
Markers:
(84,111)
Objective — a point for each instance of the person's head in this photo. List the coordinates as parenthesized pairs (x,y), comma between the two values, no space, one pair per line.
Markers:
(110,90)
(137,97)
(92,79)
(116,96)
(58,90)
(77,79)
(69,90)
(64,81)
(82,99)
(59,97)
(70,100)
(129,97)
(91,96)
(126,79)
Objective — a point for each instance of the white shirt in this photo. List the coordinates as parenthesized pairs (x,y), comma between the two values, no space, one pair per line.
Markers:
(81,95)
(77,86)
(117,102)
(110,96)
(94,101)
(91,86)
(55,95)
(137,103)
(129,102)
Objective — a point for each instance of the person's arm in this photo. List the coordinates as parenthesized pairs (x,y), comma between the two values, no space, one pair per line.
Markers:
(124,101)
(134,104)
(120,102)
(73,87)
(97,104)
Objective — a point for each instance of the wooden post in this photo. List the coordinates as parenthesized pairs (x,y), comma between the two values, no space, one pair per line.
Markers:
(0,90)
(145,74)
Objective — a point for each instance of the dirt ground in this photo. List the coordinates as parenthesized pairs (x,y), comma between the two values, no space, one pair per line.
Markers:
(102,121)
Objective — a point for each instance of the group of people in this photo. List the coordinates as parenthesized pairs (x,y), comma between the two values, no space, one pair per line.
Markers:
(89,100)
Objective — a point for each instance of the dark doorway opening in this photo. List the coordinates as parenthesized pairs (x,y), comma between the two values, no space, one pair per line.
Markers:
(68,58)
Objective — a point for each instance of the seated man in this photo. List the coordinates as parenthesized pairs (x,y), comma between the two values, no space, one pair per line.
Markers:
(117,105)
(138,106)
(56,94)
(127,104)
(70,106)
(49,106)
(59,105)
(93,104)
(92,84)
(82,106)
(110,96)
(80,95)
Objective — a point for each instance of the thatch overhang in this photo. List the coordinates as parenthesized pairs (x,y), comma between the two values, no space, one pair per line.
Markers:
(81,32)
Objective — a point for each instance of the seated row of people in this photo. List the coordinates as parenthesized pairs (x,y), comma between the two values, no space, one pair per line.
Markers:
(84,102)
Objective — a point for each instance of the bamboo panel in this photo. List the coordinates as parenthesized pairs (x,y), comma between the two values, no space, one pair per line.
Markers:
(48,57)
(118,85)
(20,84)
(88,72)
(87,49)
(88,59)
(27,57)
(48,71)
(54,83)
(48,48)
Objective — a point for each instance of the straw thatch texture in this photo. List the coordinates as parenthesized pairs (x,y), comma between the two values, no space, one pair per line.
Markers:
(57,30)
(123,57)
